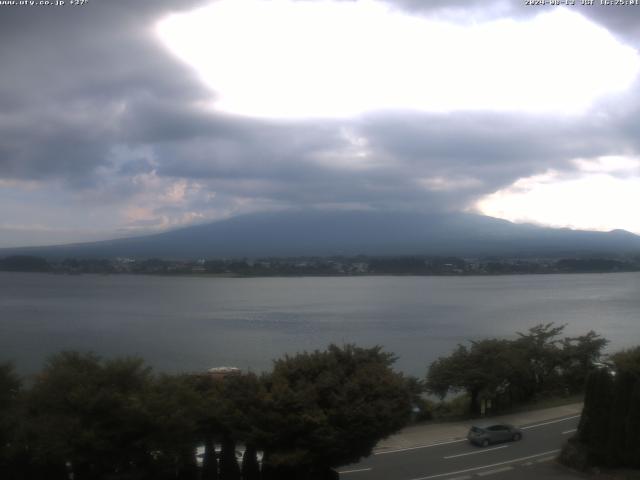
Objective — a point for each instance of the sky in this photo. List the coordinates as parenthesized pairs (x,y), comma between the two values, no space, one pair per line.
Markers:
(121,118)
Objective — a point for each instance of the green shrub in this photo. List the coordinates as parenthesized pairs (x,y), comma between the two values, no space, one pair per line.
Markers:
(574,455)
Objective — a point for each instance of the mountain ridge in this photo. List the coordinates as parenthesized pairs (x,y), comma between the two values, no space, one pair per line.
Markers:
(331,233)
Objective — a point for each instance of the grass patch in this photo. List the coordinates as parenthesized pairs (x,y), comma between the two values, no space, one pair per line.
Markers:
(457,408)
(543,403)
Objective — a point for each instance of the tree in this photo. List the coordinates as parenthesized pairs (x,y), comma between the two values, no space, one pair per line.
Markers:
(90,413)
(329,408)
(627,360)
(10,385)
(481,371)
(608,430)
(445,373)
(250,467)
(422,409)
(228,414)
(173,408)
(626,449)
(631,455)
(241,405)
(511,371)
(99,419)
(579,356)
(540,347)
(593,428)
(229,469)
(209,461)
(24,263)
(209,422)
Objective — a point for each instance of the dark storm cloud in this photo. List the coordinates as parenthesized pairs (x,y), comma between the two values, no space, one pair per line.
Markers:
(86,79)
(90,99)
(497,148)
(68,72)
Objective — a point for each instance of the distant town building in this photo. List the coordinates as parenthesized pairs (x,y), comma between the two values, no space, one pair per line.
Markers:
(218,373)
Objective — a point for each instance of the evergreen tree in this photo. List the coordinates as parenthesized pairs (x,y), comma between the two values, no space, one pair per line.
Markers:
(609,428)
(229,469)
(210,461)
(621,405)
(10,385)
(593,430)
(631,456)
(250,467)
(627,365)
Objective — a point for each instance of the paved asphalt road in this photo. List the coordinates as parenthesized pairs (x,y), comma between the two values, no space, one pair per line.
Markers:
(458,460)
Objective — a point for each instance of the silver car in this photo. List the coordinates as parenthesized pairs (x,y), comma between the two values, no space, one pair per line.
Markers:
(484,435)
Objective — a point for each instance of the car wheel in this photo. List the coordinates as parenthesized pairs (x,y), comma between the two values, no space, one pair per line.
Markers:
(485,443)
(516,437)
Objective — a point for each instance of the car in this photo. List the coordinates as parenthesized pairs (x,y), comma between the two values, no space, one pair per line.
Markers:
(483,435)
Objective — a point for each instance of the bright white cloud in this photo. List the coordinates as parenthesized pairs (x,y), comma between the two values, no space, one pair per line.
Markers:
(615,164)
(604,196)
(335,59)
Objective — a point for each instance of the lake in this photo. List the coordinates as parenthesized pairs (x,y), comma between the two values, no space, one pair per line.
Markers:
(191,324)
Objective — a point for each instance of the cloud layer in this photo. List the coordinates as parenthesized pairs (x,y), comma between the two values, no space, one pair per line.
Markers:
(104,132)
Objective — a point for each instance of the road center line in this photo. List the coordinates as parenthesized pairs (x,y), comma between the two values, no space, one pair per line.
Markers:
(419,446)
(487,466)
(354,471)
(494,471)
(570,431)
(545,459)
(549,423)
(477,451)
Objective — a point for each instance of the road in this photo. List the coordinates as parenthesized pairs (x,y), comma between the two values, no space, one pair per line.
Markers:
(458,460)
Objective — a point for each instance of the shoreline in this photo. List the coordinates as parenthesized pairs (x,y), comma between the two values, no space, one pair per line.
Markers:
(321,275)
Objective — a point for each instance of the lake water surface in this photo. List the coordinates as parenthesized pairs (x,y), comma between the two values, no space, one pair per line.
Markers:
(190,324)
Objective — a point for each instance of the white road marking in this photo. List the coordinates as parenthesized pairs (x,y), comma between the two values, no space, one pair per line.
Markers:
(477,451)
(545,459)
(491,472)
(354,471)
(487,466)
(419,446)
(570,431)
(549,423)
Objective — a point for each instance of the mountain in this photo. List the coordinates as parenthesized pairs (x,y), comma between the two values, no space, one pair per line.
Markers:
(308,233)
